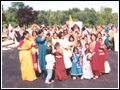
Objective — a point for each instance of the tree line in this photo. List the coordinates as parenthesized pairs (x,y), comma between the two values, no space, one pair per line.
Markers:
(20,14)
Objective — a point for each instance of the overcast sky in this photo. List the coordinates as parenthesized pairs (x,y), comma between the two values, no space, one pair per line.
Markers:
(65,5)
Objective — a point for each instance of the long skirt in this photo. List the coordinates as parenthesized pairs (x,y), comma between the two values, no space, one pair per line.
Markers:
(60,71)
(102,61)
(87,71)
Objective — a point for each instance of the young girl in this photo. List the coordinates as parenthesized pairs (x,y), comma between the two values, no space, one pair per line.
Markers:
(79,47)
(60,71)
(87,72)
(76,64)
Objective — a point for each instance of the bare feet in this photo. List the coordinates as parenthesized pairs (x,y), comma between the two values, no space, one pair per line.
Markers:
(96,77)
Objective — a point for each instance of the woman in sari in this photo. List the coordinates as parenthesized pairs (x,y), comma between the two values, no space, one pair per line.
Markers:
(95,61)
(25,56)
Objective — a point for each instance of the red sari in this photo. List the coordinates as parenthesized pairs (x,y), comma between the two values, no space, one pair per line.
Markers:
(95,62)
(103,56)
(60,71)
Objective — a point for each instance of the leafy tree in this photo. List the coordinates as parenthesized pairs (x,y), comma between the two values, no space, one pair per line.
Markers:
(46,22)
(27,16)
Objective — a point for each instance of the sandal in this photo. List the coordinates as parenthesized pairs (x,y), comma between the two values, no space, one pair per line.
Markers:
(96,77)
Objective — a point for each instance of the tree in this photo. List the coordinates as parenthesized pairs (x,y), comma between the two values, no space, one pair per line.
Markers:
(3,17)
(27,16)
(41,19)
(46,22)
(17,5)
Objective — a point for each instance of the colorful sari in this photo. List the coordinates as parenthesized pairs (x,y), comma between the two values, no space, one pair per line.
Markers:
(27,69)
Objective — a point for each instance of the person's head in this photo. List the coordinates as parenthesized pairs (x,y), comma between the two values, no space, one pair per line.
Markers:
(100,40)
(71,38)
(99,35)
(87,51)
(65,32)
(83,28)
(86,45)
(79,44)
(49,51)
(76,33)
(40,33)
(75,50)
(61,35)
(34,33)
(86,38)
(93,37)
(25,35)
(49,43)
(48,35)
(99,29)
(55,35)
(112,28)
(57,45)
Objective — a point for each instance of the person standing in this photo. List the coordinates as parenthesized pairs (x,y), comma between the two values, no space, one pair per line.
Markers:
(65,47)
(76,68)
(42,45)
(111,39)
(17,35)
(95,61)
(116,40)
(7,33)
(60,71)
(27,69)
(50,60)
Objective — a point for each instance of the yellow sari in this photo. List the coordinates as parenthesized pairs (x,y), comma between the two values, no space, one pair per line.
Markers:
(27,69)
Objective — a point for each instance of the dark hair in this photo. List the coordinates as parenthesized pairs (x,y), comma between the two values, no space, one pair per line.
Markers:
(60,35)
(86,44)
(72,29)
(85,36)
(49,51)
(71,36)
(101,39)
(99,33)
(79,42)
(87,51)
(77,32)
(55,33)
(6,27)
(40,31)
(24,33)
(75,48)
(33,32)
(48,34)
(65,30)
(93,35)
(15,26)
(57,44)
(111,27)
(83,28)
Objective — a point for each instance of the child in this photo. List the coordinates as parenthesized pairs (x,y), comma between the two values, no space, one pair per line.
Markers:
(76,64)
(60,71)
(80,50)
(50,60)
(87,72)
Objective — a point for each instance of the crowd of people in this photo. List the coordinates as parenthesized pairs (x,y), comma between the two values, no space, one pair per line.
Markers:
(58,52)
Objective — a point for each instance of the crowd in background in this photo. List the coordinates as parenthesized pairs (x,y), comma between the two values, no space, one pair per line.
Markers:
(57,52)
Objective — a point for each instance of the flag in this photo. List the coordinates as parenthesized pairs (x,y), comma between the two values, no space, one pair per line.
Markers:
(70,19)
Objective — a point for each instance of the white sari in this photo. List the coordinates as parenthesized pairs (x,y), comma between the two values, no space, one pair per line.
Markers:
(63,45)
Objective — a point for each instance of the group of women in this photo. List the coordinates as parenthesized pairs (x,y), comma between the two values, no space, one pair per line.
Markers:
(84,52)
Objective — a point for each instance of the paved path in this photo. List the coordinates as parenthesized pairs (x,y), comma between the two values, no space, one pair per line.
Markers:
(11,74)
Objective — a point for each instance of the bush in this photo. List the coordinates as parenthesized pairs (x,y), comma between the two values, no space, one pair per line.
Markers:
(4,25)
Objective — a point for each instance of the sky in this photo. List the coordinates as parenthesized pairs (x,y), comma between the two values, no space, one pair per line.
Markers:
(65,5)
